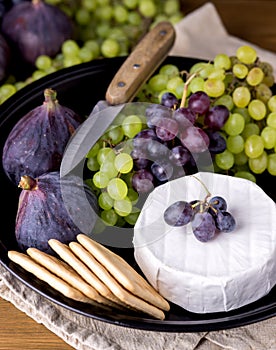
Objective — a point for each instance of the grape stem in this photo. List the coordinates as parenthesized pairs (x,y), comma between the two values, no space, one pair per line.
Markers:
(205,187)
(185,90)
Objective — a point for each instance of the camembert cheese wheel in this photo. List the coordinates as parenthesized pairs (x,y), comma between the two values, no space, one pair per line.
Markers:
(229,271)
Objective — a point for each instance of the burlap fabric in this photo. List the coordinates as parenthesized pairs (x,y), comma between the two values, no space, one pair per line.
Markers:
(194,39)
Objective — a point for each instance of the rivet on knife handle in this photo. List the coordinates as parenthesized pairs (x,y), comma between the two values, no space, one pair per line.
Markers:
(148,54)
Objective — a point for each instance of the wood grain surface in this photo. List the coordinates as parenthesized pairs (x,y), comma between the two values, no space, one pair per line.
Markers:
(250,20)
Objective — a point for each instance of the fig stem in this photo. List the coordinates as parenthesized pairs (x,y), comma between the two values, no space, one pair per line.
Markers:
(27,183)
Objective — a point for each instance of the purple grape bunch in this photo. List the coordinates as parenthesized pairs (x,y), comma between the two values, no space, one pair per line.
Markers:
(207,217)
(175,138)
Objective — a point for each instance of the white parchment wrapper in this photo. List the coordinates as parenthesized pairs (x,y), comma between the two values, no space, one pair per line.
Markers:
(230,271)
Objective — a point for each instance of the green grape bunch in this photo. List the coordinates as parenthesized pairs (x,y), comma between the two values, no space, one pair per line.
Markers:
(244,84)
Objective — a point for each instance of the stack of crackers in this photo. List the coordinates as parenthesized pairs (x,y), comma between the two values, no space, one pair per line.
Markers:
(89,272)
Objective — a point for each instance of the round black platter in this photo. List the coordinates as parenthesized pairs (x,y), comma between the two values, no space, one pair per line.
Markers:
(80,88)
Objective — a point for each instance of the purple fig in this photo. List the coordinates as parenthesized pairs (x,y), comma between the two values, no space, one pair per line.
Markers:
(37,142)
(4,58)
(36,28)
(43,214)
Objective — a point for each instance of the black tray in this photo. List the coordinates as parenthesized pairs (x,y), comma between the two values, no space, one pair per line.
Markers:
(80,87)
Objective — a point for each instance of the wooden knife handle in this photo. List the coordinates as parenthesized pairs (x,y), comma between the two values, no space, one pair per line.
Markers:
(148,54)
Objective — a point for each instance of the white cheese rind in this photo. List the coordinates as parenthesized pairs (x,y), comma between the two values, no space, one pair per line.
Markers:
(230,271)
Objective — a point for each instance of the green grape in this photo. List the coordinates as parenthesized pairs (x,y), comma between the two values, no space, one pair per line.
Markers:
(43,62)
(241,158)
(70,48)
(259,164)
(147,8)
(92,164)
(235,144)
(132,195)
(131,4)
(197,84)
(128,180)
(105,201)
(117,188)
(234,125)
(214,87)
(109,217)
(158,82)
(123,207)
(100,179)
(263,92)
(110,48)
(133,216)
(254,146)
(171,7)
(134,18)
(176,86)
(217,74)
(246,54)
(123,162)
(82,16)
(6,91)
(89,5)
(240,70)
(245,175)
(271,120)
(203,69)
(131,125)
(71,61)
(244,113)
(170,70)
(108,169)
(225,100)
(222,61)
(257,109)
(115,134)
(177,17)
(104,12)
(271,164)
(85,54)
(272,103)
(93,150)
(105,154)
(241,96)
(120,14)
(93,46)
(268,135)
(37,74)
(225,160)
(250,129)
(255,76)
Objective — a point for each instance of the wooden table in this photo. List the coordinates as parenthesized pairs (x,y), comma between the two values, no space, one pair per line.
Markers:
(248,19)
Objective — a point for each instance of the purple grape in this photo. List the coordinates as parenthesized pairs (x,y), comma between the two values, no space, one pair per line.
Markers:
(178,214)
(216,117)
(169,100)
(137,153)
(179,155)
(196,205)
(142,181)
(225,221)
(162,170)
(157,149)
(143,137)
(166,129)
(199,102)
(141,163)
(203,226)
(218,203)
(217,142)
(185,117)
(154,112)
(195,139)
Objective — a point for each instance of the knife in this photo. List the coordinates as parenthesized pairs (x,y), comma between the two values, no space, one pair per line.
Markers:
(146,57)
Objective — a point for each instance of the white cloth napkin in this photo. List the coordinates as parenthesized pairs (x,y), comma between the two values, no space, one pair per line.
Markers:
(201,34)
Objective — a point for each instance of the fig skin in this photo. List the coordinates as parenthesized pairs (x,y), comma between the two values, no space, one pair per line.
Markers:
(5,55)
(37,142)
(42,213)
(36,28)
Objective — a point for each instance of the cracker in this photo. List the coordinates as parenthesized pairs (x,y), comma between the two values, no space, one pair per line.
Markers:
(124,295)
(69,257)
(69,275)
(123,272)
(43,274)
